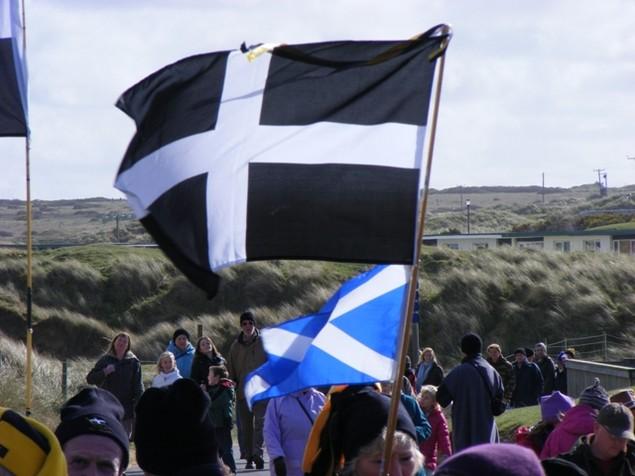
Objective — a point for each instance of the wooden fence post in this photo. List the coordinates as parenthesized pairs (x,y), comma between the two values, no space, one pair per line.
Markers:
(65,379)
(199,330)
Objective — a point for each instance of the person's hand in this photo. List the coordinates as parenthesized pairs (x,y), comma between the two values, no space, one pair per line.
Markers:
(108,369)
(279,466)
(203,387)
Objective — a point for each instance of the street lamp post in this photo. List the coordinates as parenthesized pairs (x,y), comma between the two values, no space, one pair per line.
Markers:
(467,206)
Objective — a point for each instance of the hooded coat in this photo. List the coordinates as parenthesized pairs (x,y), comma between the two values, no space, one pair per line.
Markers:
(472,418)
(183,358)
(577,422)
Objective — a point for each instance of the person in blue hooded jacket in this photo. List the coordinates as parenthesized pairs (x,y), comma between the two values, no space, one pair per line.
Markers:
(183,351)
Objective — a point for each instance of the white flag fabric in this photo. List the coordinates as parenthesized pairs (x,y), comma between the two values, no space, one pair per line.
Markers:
(13,82)
(353,339)
(309,151)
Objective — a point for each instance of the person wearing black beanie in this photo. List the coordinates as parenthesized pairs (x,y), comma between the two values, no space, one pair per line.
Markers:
(474,387)
(245,355)
(91,431)
(173,432)
(352,430)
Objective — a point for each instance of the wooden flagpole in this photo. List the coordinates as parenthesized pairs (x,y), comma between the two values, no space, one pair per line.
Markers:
(29,253)
(414,269)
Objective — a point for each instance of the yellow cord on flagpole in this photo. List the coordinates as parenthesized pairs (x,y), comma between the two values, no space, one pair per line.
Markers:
(414,269)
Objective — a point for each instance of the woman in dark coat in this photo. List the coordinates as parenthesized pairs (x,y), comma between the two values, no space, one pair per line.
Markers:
(205,356)
(428,372)
(119,372)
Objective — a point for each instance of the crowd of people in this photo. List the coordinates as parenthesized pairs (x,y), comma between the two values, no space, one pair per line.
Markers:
(182,425)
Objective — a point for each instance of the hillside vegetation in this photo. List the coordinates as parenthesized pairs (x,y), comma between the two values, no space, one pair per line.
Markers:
(84,295)
(493,209)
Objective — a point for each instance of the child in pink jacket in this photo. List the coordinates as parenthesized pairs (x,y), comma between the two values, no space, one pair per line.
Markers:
(576,422)
(437,445)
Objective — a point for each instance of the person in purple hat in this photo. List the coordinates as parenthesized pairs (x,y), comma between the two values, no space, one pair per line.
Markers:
(577,422)
(492,460)
(560,380)
(552,409)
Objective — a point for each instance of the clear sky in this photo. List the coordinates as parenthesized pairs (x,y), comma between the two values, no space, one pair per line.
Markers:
(530,86)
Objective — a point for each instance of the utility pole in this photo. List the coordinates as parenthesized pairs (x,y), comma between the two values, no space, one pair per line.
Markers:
(543,187)
(467,205)
(599,182)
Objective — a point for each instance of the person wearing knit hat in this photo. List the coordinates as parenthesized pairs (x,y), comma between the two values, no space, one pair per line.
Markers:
(554,406)
(27,447)
(173,432)
(611,447)
(245,355)
(183,351)
(473,386)
(578,421)
(528,378)
(560,377)
(492,460)
(91,432)
(351,431)
(626,398)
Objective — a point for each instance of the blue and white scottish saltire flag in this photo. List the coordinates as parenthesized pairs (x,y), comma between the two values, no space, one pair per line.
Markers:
(353,339)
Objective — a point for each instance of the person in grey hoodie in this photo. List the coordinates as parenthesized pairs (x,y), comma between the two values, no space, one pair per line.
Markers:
(119,372)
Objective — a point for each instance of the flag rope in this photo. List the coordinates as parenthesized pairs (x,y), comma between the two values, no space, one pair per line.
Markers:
(29,250)
(406,323)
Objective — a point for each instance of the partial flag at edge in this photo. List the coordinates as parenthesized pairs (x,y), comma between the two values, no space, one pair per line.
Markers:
(13,84)
(353,339)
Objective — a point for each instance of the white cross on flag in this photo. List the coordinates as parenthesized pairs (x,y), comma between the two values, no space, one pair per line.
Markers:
(310,151)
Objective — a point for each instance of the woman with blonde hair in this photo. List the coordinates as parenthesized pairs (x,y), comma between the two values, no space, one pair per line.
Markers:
(428,372)
(167,371)
(119,372)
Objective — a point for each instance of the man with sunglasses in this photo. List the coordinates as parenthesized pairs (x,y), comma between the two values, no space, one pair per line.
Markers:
(246,354)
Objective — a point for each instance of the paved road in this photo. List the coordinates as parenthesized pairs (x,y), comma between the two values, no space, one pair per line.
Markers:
(240,466)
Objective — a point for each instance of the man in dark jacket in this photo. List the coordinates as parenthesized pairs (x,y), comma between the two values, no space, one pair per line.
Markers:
(504,368)
(547,368)
(528,381)
(609,450)
(471,386)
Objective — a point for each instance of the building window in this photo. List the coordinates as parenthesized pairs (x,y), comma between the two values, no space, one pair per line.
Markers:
(564,246)
(624,247)
(452,246)
(591,245)
(479,246)
(533,245)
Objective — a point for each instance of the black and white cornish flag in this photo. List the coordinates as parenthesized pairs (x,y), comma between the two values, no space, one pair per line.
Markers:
(13,102)
(309,151)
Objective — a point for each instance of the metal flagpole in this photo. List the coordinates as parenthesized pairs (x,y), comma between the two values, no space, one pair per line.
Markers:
(414,269)
(29,253)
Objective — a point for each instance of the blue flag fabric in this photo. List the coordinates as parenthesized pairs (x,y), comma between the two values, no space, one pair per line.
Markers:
(353,339)
(13,90)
